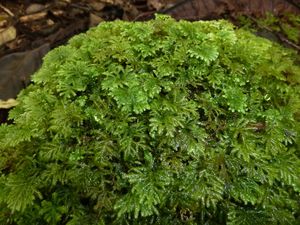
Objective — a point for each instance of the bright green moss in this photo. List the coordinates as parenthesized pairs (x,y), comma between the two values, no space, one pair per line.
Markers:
(158,122)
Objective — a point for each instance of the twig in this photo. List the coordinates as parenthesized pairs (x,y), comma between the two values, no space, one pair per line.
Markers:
(280,36)
(7,10)
(81,7)
(32,17)
(145,16)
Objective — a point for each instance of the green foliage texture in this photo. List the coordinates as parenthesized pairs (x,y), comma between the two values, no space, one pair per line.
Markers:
(287,25)
(158,122)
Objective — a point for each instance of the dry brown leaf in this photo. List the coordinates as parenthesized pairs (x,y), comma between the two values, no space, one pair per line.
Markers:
(8,103)
(7,35)
(3,22)
(32,17)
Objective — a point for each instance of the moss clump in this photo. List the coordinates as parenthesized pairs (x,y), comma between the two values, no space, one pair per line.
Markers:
(158,122)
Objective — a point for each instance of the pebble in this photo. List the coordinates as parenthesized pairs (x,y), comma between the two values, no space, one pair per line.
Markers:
(34,8)
(7,35)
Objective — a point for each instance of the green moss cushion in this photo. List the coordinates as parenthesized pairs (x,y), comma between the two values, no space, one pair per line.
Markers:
(158,122)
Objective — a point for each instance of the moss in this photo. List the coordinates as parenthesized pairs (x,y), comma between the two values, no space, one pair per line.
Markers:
(158,122)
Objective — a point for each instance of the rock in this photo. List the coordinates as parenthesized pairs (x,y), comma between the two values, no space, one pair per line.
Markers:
(94,20)
(34,8)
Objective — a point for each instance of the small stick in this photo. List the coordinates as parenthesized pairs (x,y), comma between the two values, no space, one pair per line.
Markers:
(6,10)
(32,17)
(280,36)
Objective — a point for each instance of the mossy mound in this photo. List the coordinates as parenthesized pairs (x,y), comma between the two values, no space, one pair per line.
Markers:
(158,122)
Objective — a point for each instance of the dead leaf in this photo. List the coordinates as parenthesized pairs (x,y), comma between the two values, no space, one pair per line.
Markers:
(6,10)
(3,22)
(8,103)
(16,69)
(7,35)
(32,17)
